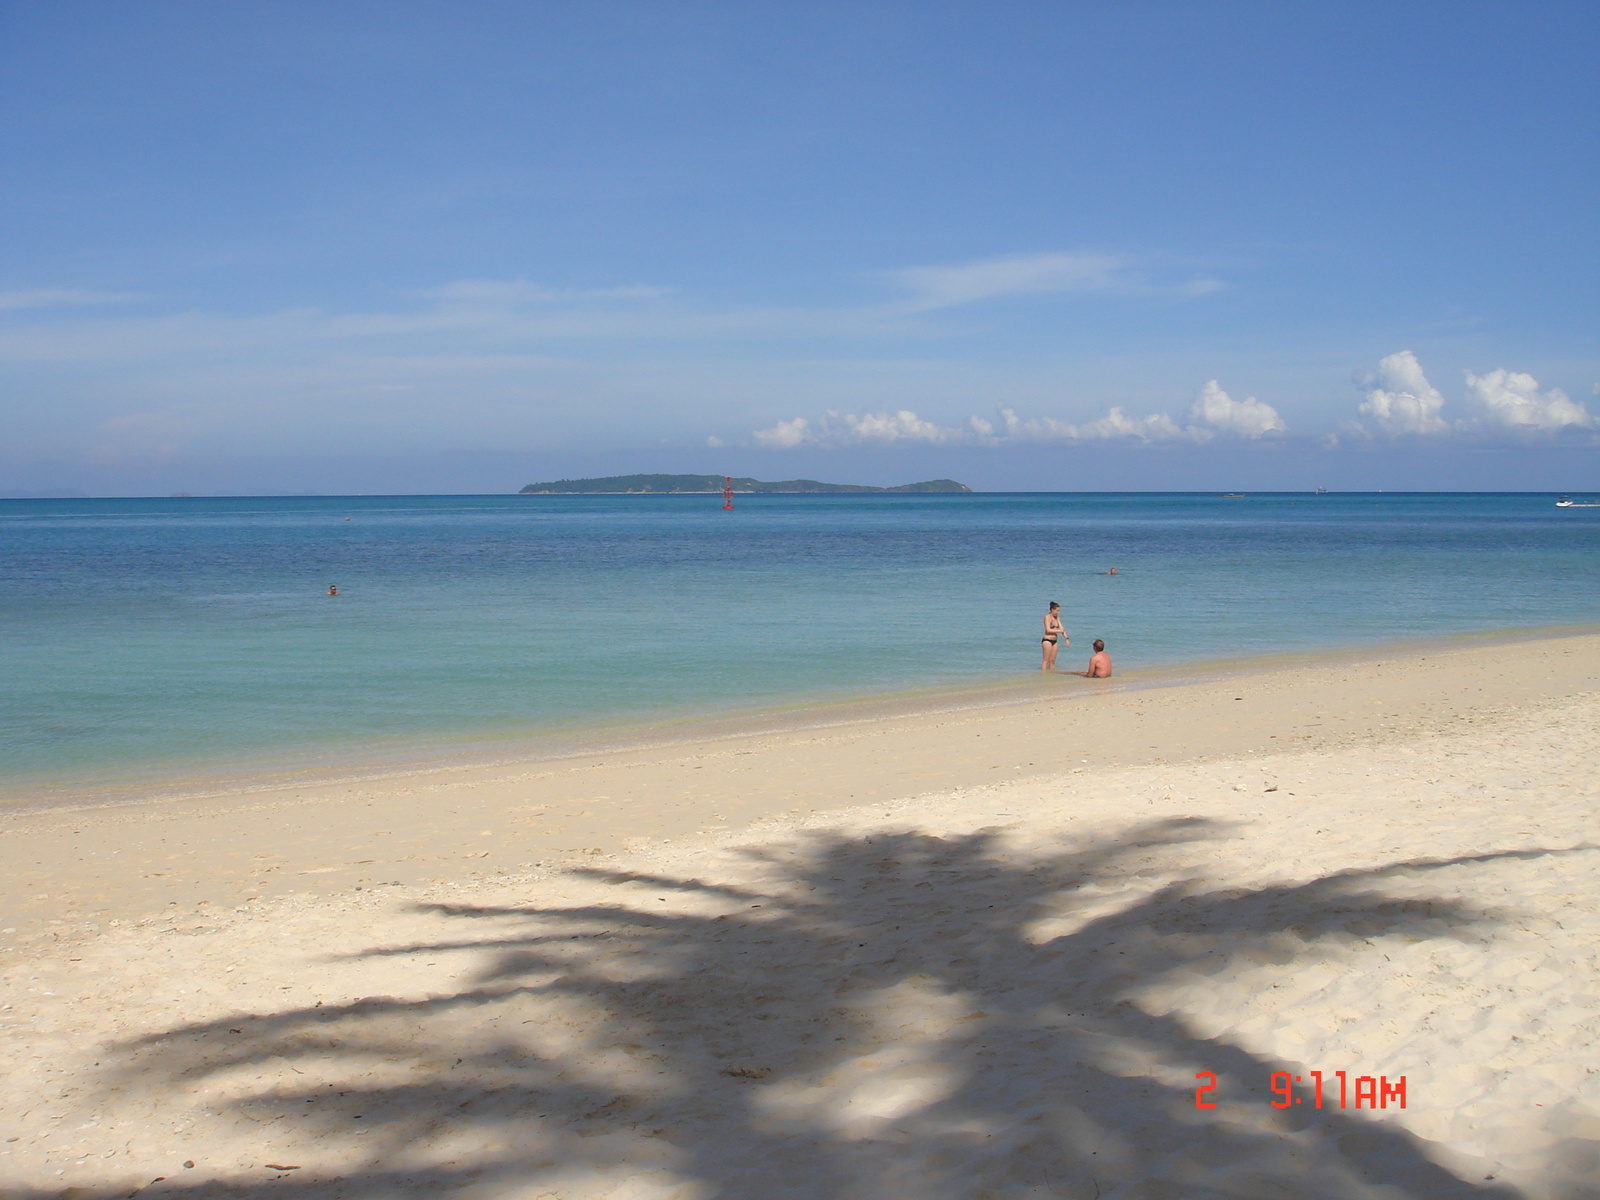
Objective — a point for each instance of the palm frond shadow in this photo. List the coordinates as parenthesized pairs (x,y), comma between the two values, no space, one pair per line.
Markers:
(895,1015)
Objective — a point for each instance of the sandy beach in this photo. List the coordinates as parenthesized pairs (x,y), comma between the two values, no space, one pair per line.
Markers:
(989,947)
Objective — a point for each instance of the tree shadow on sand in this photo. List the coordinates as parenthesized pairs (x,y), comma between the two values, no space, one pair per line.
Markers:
(896,1015)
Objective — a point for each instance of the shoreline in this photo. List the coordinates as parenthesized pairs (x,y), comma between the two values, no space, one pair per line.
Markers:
(972,952)
(80,866)
(355,768)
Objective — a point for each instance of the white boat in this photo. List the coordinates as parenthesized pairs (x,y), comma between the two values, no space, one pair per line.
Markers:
(1569,502)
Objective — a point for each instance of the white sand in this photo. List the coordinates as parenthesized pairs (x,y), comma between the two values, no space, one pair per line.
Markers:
(997,991)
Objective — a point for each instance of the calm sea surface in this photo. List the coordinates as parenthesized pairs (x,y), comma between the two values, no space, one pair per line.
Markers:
(140,638)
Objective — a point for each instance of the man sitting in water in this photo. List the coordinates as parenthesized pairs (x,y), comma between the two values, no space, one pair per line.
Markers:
(1099,665)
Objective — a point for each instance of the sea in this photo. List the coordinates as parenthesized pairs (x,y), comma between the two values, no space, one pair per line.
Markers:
(145,641)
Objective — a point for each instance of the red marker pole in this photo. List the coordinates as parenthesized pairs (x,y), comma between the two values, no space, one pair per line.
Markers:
(727,492)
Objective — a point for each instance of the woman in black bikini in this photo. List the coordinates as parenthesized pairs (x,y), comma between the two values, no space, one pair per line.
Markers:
(1053,629)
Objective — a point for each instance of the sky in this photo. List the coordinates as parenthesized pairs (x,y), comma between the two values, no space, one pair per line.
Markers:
(343,247)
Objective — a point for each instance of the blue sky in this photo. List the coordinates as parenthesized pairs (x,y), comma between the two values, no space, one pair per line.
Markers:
(344,247)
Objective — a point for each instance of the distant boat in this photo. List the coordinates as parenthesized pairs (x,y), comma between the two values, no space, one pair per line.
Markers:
(1233,495)
(1322,491)
(1569,502)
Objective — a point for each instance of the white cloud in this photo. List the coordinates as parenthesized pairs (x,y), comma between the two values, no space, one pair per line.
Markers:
(1400,398)
(1214,413)
(1116,424)
(902,426)
(714,442)
(1513,400)
(885,428)
(981,430)
(1248,418)
(785,434)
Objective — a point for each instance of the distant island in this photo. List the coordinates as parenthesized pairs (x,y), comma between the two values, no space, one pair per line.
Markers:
(677,484)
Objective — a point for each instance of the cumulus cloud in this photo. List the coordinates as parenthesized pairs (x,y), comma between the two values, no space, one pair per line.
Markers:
(784,434)
(1157,427)
(902,426)
(1513,400)
(1249,418)
(1214,413)
(1115,424)
(884,428)
(1400,398)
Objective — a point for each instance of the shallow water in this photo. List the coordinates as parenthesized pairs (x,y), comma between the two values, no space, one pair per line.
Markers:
(153,637)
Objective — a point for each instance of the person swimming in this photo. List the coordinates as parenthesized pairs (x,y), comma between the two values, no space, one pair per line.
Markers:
(333,589)
(1053,629)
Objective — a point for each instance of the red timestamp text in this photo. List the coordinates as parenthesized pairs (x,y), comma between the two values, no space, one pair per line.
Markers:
(1364,1091)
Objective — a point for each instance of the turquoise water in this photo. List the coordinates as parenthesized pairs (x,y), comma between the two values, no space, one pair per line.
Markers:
(144,637)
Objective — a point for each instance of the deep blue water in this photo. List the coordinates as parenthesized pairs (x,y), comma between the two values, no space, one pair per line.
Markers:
(160,635)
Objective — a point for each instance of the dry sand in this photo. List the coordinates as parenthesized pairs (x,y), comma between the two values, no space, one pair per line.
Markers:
(974,951)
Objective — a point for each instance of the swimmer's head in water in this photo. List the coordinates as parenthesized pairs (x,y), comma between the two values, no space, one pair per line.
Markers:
(1099,646)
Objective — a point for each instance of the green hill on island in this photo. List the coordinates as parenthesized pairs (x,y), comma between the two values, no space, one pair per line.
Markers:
(670,484)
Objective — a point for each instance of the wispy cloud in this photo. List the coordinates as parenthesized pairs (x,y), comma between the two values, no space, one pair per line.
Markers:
(511,292)
(140,439)
(517,313)
(1213,413)
(941,287)
(448,321)
(139,422)
(1019,274)
(64,298)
